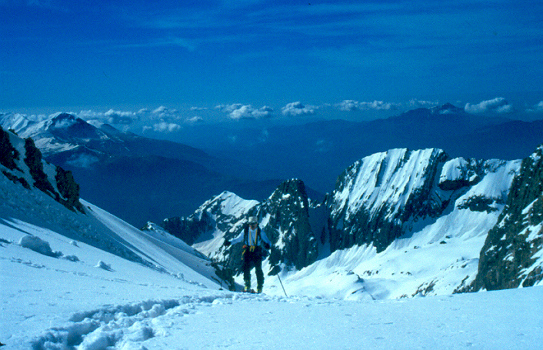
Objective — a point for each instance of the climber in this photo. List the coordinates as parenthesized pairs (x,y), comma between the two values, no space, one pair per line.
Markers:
(255,246)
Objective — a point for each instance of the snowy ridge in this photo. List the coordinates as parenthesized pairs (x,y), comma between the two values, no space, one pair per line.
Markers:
(56,260)
(55,134)
(438,254)
(224,212)
(22,163)
(387,195)
(76,278)
(284,217)
(443,209)
(384,180)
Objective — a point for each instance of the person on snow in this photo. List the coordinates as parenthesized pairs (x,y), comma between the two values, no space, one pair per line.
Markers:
(254,241)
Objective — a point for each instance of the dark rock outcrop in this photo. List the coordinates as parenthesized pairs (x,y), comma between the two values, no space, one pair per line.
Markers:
(33,160)
(62,187)
(8,154)
(508,258)
(187,229)
(288,226)
(68,189)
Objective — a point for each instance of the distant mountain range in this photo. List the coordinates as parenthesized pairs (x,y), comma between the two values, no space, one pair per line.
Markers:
(40,201)
(134,177)
(116,169)
(318,152)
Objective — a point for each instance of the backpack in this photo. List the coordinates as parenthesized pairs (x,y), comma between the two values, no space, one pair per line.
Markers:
(246,235)
(259,249)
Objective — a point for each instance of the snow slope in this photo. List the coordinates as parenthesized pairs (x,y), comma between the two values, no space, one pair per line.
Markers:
(58,292)
(102,301)
(55,262)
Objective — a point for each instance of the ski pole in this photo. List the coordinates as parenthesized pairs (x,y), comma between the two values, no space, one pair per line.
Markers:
(282,285)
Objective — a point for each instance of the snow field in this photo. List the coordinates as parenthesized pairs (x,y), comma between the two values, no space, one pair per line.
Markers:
(93,282)
(56,303)
(237,321)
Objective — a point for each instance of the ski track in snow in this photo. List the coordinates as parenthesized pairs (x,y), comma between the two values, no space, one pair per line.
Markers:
(244,321)
(117,326)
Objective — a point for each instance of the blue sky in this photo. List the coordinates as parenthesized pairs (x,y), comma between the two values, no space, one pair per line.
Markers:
(257,59)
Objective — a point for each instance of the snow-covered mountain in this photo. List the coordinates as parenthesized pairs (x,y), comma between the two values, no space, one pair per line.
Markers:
(388,195)
(399,223)
(35,192)
(173,178)
(287,217)
(63,132)
(77,277)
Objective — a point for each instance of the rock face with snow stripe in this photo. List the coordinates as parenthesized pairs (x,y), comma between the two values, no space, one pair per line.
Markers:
(284,217)
(377,196)
(458,173)
(386,195)
(512,254)
(22,162)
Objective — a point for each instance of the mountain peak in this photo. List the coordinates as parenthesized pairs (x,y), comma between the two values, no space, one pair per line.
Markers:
(295,187)
(439,114)
(65,120)
(62,117)
(68,126)
(447,108)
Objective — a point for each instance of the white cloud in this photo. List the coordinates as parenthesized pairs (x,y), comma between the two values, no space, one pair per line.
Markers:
(194,120)
(497,105)
(161,119)
(349,105)
(160,110)
(165,127)
(164,113)
(538,108)
(297,109)
(352,105)
(110,117)
(416,103)
(65,123)
(238,111)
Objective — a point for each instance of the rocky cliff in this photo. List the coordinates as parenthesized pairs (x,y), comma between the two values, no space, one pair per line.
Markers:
(513,251)
(377,200)
(287,223)
(286,217)
(388,195)
(22,163)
